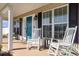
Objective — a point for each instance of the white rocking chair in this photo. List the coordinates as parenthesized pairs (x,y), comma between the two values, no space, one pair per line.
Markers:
(35,42)
(66,43)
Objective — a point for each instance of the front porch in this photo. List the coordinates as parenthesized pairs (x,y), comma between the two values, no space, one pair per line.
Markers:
(42,22)
(19,49)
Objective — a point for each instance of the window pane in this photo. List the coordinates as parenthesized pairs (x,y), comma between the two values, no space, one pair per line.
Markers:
(47,31)
(47,17)
(55,15)
(65,14)
(59,31)
(50,15)
(60,15)
(56,31)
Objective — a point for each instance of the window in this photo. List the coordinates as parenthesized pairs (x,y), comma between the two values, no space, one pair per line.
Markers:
(60,22)
(47,21)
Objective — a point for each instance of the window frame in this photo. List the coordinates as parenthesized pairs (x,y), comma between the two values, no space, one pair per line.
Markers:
(53,17)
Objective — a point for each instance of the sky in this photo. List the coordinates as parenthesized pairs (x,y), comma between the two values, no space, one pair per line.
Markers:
(5,24)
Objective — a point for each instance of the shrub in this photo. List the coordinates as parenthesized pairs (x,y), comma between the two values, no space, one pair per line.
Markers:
(5,54)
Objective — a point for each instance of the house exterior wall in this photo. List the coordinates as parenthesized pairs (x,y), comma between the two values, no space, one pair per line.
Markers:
(73,18)
(39,10)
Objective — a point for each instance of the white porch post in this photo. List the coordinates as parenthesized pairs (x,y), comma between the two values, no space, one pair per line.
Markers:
(10,27)
(0,30)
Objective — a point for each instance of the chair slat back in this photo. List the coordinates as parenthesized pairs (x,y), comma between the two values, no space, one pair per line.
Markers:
(70,35)
(36,35)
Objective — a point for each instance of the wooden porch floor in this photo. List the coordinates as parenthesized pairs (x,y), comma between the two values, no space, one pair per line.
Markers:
(19,49)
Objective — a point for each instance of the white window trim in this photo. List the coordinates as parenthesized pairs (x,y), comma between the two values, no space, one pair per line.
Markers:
(53,18)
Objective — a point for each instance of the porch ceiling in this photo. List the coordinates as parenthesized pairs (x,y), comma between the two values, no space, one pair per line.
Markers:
(2,5)
(21,8)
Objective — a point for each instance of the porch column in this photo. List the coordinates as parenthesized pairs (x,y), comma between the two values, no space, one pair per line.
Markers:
(10,27)
(0,30)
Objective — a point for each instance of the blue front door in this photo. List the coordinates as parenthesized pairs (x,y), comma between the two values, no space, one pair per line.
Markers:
(29,27)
